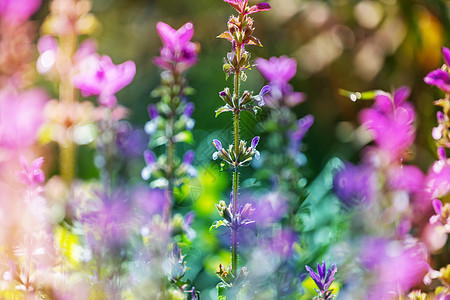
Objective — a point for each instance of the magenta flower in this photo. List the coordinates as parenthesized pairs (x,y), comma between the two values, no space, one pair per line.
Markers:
(21,115)
(437,182)
(242,8)
(178,52)
(18,11)
(442,214)
(407,178)
(440,77)
(31,175)
(99,76)
(278,71)
(391,124)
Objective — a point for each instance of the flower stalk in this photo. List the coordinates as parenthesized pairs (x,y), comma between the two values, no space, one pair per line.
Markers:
(237,155)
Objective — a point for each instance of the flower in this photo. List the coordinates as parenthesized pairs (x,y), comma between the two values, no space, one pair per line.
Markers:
(440,77)
(242,8)
(278,71)
(354,185)
(178,52)
(151,165)
(99,76)
(442,214)
(20,117)
(260,97)
(390,121)
(32,174)
(18,11)
(323,279)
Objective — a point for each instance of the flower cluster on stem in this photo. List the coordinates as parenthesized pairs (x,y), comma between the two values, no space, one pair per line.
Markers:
(239,33)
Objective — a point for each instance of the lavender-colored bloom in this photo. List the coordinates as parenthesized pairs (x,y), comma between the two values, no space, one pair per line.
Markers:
(189,157)
(219,148)
(152,111)
(18,11)
(323,279)
(354,185)
(189,109)
(260,97)
(178,52)
(99,76)
(303,126)
(282,243)
(150,160)
(31,175)
(440,77)
(255,142)
(131,142)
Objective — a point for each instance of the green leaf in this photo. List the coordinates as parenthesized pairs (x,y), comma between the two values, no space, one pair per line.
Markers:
(217,224)
(222,109)
(369,95)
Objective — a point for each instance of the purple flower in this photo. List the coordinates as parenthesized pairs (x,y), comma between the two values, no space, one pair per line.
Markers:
(440,77)
(189,109)
(152,111)
(323,279)
(18,11)
(303,126)
(151,165)
(219,148)
(31,175)
(188,159)
(99,76)
(354,185)
(255,142)
(282,243)
(178,52)
(131,142)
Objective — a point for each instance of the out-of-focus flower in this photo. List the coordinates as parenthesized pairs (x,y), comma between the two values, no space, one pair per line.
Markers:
(178,52)
(99,76)
(437,182)
(18,11)
(31,175)
(151,164)
(442,214)
(131,142)
(21,116)
(382,256)
(391,122)
(407,178)
(440,77)
(282,243)
(64,119)
(417,295)
(323,280)
(354,185)
(278,71)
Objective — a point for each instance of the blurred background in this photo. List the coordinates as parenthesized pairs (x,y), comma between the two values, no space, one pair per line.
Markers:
(354,45)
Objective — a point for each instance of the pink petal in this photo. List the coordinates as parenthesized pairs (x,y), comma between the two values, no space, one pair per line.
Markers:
(446,55)
(437,206)
(166,33)
(401,94)
(185,33)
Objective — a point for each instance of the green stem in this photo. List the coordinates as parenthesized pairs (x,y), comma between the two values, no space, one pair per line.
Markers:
(234,235)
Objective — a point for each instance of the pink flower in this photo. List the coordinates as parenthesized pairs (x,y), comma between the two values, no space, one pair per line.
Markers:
(391,122)
(31,175)
(178,52)
(99,76)
(21,115)
(18,11)
(242,8)
(440,77)
(437,182)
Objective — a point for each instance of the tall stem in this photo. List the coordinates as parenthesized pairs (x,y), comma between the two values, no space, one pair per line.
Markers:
(67,95)
(234,234)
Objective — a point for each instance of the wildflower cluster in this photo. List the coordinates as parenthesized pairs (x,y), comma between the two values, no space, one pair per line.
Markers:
(323,279)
